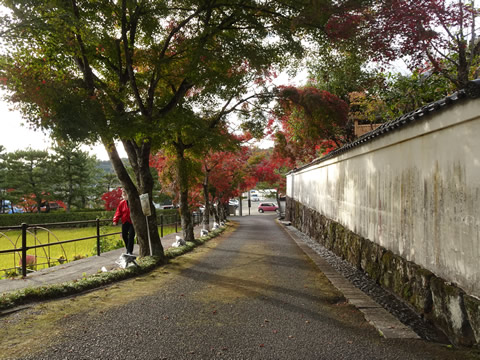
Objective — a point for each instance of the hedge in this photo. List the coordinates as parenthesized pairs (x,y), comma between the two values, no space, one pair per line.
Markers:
(62,216)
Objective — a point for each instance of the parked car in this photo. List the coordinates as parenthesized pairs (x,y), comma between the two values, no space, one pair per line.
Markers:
(233,202)
(254,197)
(16,210)
(267,206)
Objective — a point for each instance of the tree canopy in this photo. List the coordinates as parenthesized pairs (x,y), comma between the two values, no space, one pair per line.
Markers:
(439,34)
(132,70)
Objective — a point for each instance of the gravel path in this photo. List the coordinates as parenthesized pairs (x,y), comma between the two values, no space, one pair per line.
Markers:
(250,295)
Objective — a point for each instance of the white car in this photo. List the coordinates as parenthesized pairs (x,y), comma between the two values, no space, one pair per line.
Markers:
(254,197)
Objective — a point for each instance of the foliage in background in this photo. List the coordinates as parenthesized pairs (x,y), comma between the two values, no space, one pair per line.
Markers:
(53,217)
(440,34)
(29,175)
(402,94)
(76,174)
(112,199)
(308,118)
(33,179)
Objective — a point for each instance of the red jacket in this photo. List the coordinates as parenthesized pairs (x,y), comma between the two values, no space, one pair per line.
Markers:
(122,213)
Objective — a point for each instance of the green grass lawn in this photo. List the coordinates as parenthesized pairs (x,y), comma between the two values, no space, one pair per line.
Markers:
(55,254)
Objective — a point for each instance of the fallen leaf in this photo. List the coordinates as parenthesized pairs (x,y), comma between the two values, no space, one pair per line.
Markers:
(275,331)
(262,345)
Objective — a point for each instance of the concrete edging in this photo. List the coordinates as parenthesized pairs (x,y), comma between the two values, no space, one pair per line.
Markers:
(386,324)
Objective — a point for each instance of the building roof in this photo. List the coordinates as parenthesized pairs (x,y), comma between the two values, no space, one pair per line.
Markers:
(471,91)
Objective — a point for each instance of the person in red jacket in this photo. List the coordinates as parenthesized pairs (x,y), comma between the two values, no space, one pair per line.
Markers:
(123,214)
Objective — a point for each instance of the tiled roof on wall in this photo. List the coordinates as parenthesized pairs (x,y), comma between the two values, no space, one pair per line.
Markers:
(472,91)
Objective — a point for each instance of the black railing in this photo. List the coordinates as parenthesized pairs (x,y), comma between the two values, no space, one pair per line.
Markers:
(164,220)
(32,228)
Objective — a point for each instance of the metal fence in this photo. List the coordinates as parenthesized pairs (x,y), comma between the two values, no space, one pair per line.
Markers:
(164,220)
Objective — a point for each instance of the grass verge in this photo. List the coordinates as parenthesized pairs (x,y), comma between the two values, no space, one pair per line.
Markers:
(55,291)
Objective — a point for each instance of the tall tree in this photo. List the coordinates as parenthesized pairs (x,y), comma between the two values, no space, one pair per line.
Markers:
(75,174)
(108,181)
(402,94)
(30,174)
(102,70)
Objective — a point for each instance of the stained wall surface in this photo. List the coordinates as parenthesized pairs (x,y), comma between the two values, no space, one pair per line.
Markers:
(414,191)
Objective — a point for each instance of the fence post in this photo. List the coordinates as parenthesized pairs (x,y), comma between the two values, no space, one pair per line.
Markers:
(161,225)
(98,237)
(176,221)
(24,249)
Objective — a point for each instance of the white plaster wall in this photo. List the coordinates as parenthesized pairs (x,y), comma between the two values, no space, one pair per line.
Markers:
(414,191)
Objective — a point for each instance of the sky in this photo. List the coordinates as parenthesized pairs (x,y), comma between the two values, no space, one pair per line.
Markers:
(14,136)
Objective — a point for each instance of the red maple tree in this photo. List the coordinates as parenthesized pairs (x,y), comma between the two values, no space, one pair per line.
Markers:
(310,122)
(440,34)
(112,199)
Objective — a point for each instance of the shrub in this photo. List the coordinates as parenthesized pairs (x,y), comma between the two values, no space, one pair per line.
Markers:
(53,217)
(108,244)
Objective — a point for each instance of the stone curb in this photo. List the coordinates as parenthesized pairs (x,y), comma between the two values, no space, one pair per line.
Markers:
(386,324)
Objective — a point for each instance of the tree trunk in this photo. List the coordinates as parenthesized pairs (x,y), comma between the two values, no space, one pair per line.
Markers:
(39,203)
(182,173)
(278,202)
(213,212)
(221,212)
(70,195)
(225,211)
(462,68)
(145,185)
(206,212)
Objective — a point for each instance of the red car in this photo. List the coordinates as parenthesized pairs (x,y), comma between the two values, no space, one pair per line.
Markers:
(264,206)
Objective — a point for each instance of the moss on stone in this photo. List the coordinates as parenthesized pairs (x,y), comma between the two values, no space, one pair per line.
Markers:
(457,314)
(449,312)
(407,291)
(472,308)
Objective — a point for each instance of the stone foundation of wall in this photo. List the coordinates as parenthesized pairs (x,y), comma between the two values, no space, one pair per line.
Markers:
(445,305)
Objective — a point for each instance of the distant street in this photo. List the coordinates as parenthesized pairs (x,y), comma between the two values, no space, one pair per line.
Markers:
(254,207)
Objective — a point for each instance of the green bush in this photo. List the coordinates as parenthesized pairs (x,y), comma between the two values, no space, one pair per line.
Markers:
(88,210)
(61,216)
(108,243)
(53,217)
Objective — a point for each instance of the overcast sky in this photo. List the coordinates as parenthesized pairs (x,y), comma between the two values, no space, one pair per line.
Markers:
(14,136)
